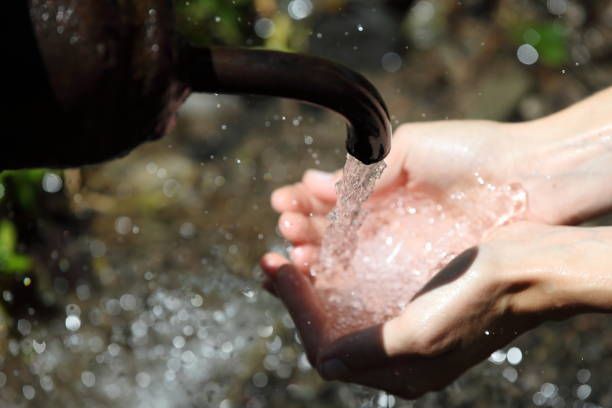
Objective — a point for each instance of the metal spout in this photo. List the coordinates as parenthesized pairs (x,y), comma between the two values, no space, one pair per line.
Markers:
(309,79)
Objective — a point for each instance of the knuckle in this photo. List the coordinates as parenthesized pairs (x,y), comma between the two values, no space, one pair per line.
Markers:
(427,346)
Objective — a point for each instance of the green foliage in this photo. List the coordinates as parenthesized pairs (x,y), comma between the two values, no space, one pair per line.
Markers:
(214,21)
(225,22)
(549,38)
(10,261)
(22,186)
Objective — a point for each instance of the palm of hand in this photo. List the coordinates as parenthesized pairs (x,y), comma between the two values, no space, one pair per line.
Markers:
(413,192)
(419,219)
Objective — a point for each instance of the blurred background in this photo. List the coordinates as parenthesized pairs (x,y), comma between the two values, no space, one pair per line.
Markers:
(135,283)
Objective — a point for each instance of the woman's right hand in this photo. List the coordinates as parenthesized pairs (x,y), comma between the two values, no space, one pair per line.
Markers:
(451,155)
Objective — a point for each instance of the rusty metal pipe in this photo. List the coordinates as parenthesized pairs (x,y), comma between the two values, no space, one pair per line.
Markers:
(90,80)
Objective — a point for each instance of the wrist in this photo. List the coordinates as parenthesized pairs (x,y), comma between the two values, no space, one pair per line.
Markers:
(570,272)
(566,167)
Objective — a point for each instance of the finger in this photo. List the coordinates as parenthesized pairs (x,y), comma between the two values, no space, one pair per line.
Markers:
(304,258)
(304,306)
(271,262)
(298,198)
(322,184)
(300,229)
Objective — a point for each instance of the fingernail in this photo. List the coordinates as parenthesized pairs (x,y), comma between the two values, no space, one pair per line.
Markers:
(334,369)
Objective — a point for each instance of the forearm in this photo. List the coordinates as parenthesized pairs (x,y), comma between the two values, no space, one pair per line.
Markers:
(570,272)
(591,114)
(567,161)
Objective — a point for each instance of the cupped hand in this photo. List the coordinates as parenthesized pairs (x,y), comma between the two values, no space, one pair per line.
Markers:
(482,300)
(433,157)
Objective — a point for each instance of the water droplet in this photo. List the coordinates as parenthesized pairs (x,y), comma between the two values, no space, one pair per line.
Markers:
(143,379)
(52,183)
(187,230)
(260,380)
(583,391)
(299,9)
(29,392)
(510,374)
(88,379)
(583,375)
(39,348)
(557,7)
(498,357)
(123,225)
(73,323)
(514,356)
(527,54)
(178,342)
(264,28)
(392,62)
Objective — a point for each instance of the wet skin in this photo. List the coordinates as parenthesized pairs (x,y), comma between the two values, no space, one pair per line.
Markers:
(518,277)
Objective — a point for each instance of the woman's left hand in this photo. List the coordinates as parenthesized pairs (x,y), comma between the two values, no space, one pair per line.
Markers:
(522,275)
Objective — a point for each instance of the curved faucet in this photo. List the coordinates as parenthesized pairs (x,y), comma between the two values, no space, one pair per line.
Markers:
(309,79)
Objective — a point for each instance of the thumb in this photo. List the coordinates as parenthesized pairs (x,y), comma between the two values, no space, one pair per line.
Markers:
(297,293)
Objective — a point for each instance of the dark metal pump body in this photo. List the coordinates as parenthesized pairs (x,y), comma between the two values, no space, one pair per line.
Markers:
(93,79)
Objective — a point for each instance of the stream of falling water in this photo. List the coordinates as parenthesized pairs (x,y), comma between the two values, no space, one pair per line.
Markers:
(340,240)
(353,190)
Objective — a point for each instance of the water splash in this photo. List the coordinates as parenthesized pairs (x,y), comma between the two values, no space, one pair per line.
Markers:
(378,253)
